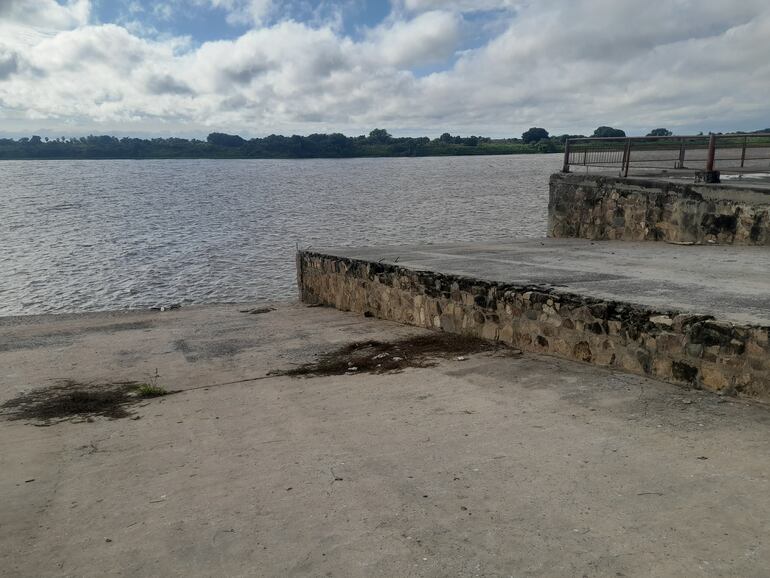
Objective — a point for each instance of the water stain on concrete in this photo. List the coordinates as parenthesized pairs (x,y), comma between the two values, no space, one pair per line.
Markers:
(15,342)
(70,399)
(195,351)
(384,357)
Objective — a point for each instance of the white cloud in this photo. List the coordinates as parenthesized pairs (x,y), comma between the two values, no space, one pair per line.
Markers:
(45,13)
(568,65)
(601,59)
(427,38)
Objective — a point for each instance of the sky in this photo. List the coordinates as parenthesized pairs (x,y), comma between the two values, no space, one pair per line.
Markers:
(413,67)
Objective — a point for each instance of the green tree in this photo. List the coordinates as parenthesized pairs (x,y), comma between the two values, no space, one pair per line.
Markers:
(546,146)
(225,140)
(534,134)
(380,136)
(608,131)
(660,132)
(563,138)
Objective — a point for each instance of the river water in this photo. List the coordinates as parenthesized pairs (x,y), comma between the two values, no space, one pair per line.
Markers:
(98,235)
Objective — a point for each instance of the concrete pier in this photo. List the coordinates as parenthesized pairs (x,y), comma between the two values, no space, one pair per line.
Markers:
(659,208)
(693,315)
(724,282)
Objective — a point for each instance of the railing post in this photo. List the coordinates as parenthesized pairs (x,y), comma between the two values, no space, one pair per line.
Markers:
(743,151)
(626,157)
(712,153)
(681,153)
(565,168)
(711,175)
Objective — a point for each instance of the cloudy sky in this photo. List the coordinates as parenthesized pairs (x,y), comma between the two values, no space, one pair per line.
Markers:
(414,67)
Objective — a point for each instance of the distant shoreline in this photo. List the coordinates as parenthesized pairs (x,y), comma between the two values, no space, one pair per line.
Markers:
(225,146)
(245,158)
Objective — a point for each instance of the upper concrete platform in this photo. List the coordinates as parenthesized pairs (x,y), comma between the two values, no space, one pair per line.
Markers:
(727,282)
(759,181)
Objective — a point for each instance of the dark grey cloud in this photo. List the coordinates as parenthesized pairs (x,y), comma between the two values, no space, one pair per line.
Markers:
(244,73)
(166,84)
(9,63)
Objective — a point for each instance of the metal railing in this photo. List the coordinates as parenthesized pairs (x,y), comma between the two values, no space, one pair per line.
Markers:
(704,156)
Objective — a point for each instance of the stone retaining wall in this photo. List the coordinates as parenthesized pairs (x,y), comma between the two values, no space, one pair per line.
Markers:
(694,350)
(596,207)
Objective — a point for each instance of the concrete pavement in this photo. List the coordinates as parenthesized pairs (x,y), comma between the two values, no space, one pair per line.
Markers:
(491,466)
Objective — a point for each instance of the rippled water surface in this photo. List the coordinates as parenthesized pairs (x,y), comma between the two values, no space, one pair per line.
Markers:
(95,235)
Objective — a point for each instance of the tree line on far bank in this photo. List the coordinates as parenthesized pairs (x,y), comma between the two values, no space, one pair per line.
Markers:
(378,143)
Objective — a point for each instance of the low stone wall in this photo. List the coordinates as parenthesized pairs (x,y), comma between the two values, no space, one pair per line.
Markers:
(596,207)
(694,350)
